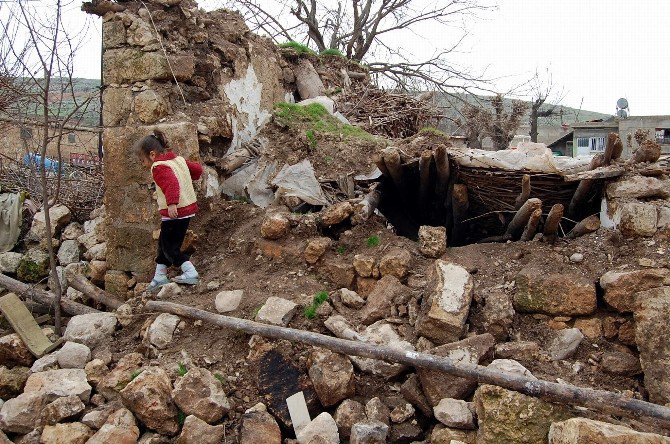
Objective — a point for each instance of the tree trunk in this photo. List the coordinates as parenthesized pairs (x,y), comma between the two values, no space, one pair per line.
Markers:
(599,400)
(533,122)
(43,297)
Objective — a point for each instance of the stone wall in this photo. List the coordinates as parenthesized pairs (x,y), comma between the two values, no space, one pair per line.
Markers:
(228,79)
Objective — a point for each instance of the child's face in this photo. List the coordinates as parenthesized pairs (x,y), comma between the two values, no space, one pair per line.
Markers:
(148,160)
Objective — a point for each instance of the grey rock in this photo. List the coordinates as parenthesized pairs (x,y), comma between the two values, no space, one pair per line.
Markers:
(91,329)
(565,344)
(277,311)
(59,383)
(454,413)
(160,332)
(9,262)
(321,430)
(227,301)
(369,432)
(68,252)
(73,355)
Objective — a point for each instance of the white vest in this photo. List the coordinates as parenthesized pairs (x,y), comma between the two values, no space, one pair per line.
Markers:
(180,169)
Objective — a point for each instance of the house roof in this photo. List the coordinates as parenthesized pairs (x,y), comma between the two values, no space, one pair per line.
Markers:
(564,138)
(609,123)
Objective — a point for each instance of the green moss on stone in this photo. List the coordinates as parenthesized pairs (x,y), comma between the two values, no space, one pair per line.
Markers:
(31,272)
(317,119)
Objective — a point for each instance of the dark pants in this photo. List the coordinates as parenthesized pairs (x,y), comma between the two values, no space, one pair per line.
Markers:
(172,235)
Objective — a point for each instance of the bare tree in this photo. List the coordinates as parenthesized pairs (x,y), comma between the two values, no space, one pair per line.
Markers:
(494,120)
(543,89)
(41,57)
(362,31)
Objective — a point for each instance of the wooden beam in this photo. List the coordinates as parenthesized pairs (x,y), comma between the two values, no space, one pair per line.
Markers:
(44,297)
(604,172)
(79,282)
(525,192)
(552,222)
(531,226)
(599,400)
(516,226)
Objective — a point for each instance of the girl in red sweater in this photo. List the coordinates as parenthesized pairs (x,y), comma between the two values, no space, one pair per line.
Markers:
(177,203)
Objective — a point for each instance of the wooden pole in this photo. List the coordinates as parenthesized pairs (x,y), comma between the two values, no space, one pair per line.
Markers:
(424,179)
(79,282)
(460,203)
(586,226)
(234,160)
(367,206)
(443,172)
(531,226)
(525,192)
(551,223)
(521,218)
(44,297)
(379,161)
(598,400)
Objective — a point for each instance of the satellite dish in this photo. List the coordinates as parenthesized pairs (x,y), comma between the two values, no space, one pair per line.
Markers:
(622,108)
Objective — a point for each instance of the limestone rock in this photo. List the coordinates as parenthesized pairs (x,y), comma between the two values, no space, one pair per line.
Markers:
(149,106)
(97,417)
(199,393)
(114,35)
(169,291)
(376,410)
(411,391)
(120,428)
(53,384)
(395,263)
(401,410)
(623,364)
(197,431)
(148,396)
(62,409)
(639,187)
(332,376)
(382,333)
(432,241)
(59,216)
(364,265)
(637,219)
(369,432)
(277,311)
(69,433)
(338,271)
(14,352)
(160,332)
(97,252)
(446,308)
(510,417)
(652,328)
(259,427)
(23,413)
(553,293)
(438,385)
(227,301)
(90,329)
(73,355)
(316,248)
(128,65)
(348,413)
(454,413)
(497,314)
(620,286)
(511,366)
(140,33)
(449,436)
(12,381)
(336,214)
(68,252)
(321,430)
(565,344)
(34,266)
(88,240)
(518,350)
(588,431)
(46,362)
(387,291)
(9,262)
(275,226)
(119,376)
(351,299)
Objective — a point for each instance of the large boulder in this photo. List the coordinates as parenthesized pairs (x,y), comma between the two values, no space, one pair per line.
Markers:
(91,329)
(639,187)
(588,431)
(454,413)
(332,376)
(73,355)
(560,294)
(652,328)
(114,381)
(200,394)
(128,65)
(388,290)
(439,385)
(636,218)
(59,216)
(149,106)
(512,418)
(23,413)
(149,397)
(54,384)
(620,286)
(62,409)
(446,307)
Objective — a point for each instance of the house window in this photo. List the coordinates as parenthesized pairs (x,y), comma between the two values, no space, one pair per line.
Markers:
(71,138)
(663,135)
(597,144)
(26,133)
(582,142)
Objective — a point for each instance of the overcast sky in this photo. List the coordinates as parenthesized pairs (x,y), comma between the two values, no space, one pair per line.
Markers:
(596,50)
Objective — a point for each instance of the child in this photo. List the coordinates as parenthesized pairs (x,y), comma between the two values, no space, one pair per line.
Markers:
(177,204)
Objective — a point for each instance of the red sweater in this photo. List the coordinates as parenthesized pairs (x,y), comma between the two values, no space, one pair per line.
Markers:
(167,181)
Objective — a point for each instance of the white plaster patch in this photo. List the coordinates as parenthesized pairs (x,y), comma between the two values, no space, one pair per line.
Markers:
(454,282)
(245,94)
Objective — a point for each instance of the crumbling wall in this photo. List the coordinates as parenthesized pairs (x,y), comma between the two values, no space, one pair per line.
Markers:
(227,80)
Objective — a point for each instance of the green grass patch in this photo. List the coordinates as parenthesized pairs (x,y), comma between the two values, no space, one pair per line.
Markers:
(373,241)
(311,138)
(431,130)
(341,249)
(219,376)
(182,370)
(331,52)
(297,47)
(317,119)
(319,298)
(135,374)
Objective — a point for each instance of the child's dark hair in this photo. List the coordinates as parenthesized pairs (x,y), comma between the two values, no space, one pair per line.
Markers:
(156,142)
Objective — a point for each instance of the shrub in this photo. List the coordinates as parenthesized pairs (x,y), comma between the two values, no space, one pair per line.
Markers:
(373,241)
